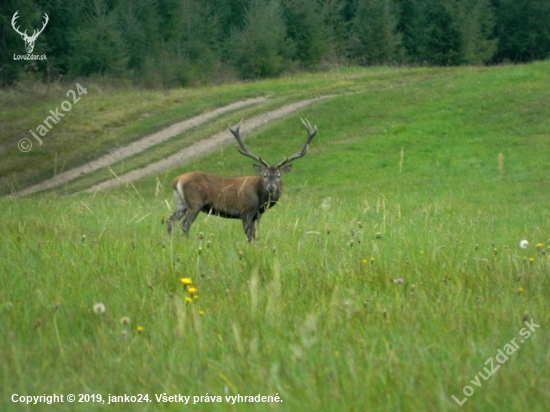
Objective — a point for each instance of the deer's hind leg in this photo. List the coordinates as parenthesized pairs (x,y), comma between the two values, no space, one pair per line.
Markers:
(173,219)
(181,209)
(188,219)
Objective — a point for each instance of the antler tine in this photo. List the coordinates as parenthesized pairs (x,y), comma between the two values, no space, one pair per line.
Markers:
(15,17)
(243,149)
(43,26)
(35,32)
(311,132)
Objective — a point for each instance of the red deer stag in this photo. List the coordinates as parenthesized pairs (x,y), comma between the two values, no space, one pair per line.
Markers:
(244,198)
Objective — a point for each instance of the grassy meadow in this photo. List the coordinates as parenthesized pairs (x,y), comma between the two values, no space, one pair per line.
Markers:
(388,275)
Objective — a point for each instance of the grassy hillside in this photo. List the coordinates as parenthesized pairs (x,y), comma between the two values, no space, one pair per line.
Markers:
(385,280)
(107,118)
(104,118)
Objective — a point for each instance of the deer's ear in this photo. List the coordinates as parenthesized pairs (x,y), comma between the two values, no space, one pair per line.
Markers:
(258,169)
(285,169)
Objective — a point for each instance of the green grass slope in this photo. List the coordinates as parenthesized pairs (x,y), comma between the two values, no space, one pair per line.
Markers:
(106,118)
(387,278)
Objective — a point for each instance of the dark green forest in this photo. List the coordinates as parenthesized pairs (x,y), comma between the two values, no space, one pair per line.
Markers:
(190,42)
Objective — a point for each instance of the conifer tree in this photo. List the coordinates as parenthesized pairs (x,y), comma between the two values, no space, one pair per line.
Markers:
(374,38)
(306,31)
(522,30)
(97,44)
(335,28)
(260,48)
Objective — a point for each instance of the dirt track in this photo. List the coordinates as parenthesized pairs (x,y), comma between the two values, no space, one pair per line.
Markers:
(205,146)
(197,149)
(137,146)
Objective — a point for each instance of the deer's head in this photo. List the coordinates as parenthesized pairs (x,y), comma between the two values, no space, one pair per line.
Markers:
(271,175)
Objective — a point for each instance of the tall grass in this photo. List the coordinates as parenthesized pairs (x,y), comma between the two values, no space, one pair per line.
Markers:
(384,280)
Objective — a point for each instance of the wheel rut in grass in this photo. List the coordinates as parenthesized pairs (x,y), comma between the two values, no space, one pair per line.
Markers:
(205,146)
(137,146)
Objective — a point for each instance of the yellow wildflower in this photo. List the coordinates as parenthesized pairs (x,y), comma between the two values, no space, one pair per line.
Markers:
(520,290)
(186,281)
(188,299)
(192,290)
(201,312)
(140,329)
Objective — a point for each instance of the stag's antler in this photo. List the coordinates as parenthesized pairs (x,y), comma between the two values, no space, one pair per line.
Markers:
(243,150)
(29,40)
(310,134)
(25,35)
(15,16)
(46,20)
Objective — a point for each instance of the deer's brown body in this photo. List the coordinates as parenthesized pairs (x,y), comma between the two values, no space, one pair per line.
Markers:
(245,198)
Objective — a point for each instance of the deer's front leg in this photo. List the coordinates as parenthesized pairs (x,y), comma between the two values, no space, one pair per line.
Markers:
(256,229)
(248,226)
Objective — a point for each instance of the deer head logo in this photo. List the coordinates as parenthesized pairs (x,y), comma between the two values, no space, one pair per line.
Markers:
(29,40)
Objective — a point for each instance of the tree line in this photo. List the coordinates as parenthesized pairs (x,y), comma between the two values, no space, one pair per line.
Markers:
(180,42)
